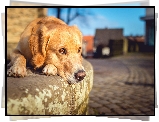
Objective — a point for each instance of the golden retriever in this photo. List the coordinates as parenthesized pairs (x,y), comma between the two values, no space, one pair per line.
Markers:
(51,44)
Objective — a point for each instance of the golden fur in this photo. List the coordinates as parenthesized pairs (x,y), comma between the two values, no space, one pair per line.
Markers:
(49,43)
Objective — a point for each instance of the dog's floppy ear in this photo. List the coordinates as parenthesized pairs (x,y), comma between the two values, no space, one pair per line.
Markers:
(38,43)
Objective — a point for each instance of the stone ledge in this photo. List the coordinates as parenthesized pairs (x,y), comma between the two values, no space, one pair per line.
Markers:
(48,95)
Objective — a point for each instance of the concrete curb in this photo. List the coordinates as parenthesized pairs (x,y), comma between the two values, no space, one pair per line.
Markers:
(48,95)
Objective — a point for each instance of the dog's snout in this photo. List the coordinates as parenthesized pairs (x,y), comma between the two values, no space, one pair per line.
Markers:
(80,75)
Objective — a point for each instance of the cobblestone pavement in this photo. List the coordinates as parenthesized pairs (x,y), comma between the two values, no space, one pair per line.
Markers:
(123,85)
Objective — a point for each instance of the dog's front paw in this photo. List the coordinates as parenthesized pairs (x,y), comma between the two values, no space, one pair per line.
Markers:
(17,71)
(50,69)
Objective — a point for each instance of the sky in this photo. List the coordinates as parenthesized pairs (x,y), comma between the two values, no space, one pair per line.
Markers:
(100,18)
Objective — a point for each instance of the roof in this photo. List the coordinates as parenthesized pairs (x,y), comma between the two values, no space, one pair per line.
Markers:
(147,18)
(89,40)
(136,38)
(102,36)
(140,39)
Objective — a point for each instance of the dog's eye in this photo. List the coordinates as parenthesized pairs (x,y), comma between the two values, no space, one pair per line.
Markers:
(62,51)
(79,49)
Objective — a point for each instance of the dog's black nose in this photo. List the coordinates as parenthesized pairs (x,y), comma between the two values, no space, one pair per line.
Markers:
(80,75)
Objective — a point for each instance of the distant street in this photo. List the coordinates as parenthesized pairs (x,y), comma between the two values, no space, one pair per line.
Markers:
(123,85)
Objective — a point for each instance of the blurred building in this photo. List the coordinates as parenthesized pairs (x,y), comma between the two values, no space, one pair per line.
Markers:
(135,43)
(19,18)
(149,28)
(84,49)
(108,42)
(88,46)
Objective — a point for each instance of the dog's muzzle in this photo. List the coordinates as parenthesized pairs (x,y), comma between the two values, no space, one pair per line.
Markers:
(80,75)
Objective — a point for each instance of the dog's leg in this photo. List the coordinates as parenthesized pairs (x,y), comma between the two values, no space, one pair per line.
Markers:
(50,69)
(18,65)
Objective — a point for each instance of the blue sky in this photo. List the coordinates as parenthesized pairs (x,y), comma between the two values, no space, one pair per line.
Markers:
(100,18)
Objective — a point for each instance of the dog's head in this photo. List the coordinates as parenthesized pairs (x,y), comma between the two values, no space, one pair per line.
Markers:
(65,47)
(62,47)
